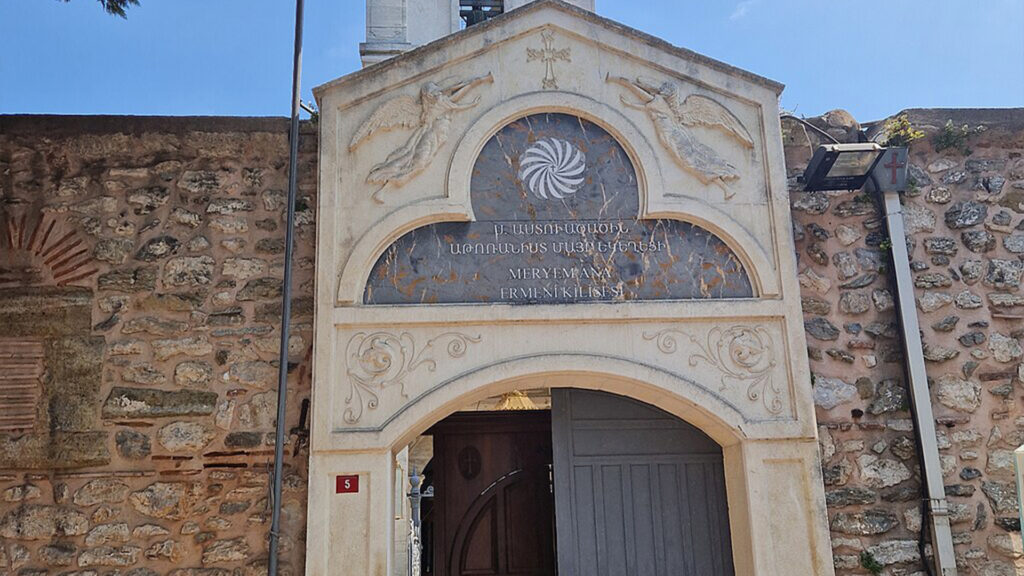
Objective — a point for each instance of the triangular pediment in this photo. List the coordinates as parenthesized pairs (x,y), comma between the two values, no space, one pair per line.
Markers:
(489,35)
(400,139)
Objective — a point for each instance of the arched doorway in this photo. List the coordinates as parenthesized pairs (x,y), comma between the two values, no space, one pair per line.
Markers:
(599,484)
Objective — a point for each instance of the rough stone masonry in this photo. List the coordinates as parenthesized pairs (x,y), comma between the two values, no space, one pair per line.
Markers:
(145,255)
(964,215)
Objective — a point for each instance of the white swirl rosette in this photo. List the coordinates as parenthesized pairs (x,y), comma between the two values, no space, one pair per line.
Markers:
(552,168)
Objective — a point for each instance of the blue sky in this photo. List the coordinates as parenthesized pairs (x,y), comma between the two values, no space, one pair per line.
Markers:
(233,57)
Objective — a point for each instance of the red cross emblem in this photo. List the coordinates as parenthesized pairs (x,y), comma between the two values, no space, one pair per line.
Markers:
(894,165)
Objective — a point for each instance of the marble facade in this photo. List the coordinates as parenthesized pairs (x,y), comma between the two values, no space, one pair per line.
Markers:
(685,147)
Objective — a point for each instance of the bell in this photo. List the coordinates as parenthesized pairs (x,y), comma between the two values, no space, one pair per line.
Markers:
(474,16)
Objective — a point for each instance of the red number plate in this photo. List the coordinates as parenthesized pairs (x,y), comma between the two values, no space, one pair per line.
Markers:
(346,484)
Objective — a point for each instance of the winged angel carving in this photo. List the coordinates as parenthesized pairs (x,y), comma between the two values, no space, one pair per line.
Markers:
(673,118)
(430,114)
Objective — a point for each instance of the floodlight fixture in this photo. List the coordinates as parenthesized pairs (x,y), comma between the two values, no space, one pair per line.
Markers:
(841,166)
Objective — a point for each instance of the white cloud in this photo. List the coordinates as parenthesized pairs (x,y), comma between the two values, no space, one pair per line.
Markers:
(742,8)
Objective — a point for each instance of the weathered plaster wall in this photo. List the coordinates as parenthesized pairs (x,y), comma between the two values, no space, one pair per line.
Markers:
(182,221)
(154,437)
(964,219)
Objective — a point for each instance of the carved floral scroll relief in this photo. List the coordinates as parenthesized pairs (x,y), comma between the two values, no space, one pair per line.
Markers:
(743,355)
(429,115)
(376,361)
(674,117)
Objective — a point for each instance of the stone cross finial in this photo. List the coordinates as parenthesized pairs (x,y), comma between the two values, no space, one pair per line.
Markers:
(549,55)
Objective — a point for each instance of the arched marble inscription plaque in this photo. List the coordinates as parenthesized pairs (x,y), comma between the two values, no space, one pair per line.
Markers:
(557,205)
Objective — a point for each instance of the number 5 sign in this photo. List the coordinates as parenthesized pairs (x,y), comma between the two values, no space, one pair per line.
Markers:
(346,484)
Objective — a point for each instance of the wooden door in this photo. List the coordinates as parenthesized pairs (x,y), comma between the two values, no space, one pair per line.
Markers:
(638,492)
(493,503)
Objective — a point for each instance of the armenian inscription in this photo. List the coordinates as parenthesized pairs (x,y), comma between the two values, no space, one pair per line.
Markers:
(556,204)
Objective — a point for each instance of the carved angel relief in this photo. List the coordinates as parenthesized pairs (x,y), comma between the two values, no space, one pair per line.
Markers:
(673,117)
(430,115)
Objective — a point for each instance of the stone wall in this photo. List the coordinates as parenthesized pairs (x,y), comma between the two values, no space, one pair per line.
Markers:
(965,220)
(145,254)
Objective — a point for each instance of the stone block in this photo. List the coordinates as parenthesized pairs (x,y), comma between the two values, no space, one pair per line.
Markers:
(189,271)
(144,403)
(140,279)
(42,522)
(44,311)
(223,551)
(1003,274)
(185,436)
(867,523)
(132,445)
(966,214)
(168,500)
(101,491)
(157,248)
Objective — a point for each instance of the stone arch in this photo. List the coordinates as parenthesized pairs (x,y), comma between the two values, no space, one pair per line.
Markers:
(38,249)
(671,392)
(646,161)
(628,135)
(47,280)
(668,392)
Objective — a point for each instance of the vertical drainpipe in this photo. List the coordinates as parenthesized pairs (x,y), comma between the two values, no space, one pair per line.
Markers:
(920,397)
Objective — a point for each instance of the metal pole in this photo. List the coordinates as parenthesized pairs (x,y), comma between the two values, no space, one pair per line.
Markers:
(286,292)
(920,397)
(1018,468)
(415,499)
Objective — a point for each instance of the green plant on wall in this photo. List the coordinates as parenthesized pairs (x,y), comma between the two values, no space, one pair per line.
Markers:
(898,131)
(955,137)
(869,563)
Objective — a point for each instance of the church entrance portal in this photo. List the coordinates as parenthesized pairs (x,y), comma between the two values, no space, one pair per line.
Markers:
(623,488)
(614,223)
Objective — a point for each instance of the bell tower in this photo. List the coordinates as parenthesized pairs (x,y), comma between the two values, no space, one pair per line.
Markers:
(394,26)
